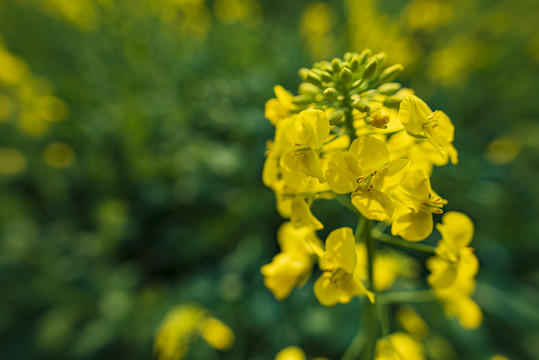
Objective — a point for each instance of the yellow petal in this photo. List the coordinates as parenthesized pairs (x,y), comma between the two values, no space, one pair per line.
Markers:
(467,311)
(310,164)
(342,173)
(270,172)
(399,346)
(414,226)
(370,153)
(296,240)
(468,264)
(373,204)
(339,287)
(275,111)
(414,189)
(456,229)
(443,274)
(217,334)
(319,123)
(325,291)
(412,322)
(292,164)
(286,271)
(390,175)
(413,113)
(284,96)
(340,249)
(302,216)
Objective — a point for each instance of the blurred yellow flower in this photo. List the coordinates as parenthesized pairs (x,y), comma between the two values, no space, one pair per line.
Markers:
(317,22)
(181,326)
(499,357)
(12,161)
(503,150)
(290,353)
(399,346)
(177,330)
(453,258)
(388,265)
(293,265)
(248,12)
(412,322)
(59,155)
(217,334)
(453,269)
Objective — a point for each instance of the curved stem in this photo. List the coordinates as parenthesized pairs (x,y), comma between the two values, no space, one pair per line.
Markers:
(402,243)
(357,343)
(406,296)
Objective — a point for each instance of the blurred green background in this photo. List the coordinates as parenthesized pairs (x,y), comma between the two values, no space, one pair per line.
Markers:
(131,149)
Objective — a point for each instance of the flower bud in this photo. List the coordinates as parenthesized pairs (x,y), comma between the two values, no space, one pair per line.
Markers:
(324,75)
(323,65)
(302,100)
(354,62)
(389,88)
(393,101)
(313,79)
(348,56)
(378,118)
(308,89)
(381,58)
(364,56)
(361,105)
(336,65)
(336,117)
(303,72)
(370,68)
(331,93)
(390,73)
(346,75)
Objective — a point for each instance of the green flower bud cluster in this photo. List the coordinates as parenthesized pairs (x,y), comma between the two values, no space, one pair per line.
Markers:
(353,82)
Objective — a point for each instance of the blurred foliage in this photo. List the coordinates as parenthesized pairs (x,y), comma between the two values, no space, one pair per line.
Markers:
(131,153)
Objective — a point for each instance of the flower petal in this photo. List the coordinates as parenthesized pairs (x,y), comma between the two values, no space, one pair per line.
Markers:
(373,204)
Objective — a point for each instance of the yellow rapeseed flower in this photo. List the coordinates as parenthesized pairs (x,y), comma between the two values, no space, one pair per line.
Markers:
(293,265)
(217,334)
(416,204)
(453,257)
(280,107)
(419,120)
(399,346)
(182,325)
(339,283)
(366,172)
(290,353)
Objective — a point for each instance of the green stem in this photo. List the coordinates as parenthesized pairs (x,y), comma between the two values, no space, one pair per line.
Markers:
(348,118)
(382,317)
(412,296)
(372,328)
(357,343)
(359,340)
(402,243)
(383,133)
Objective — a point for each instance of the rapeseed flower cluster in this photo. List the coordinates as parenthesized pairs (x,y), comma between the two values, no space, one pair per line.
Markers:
(355,136)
